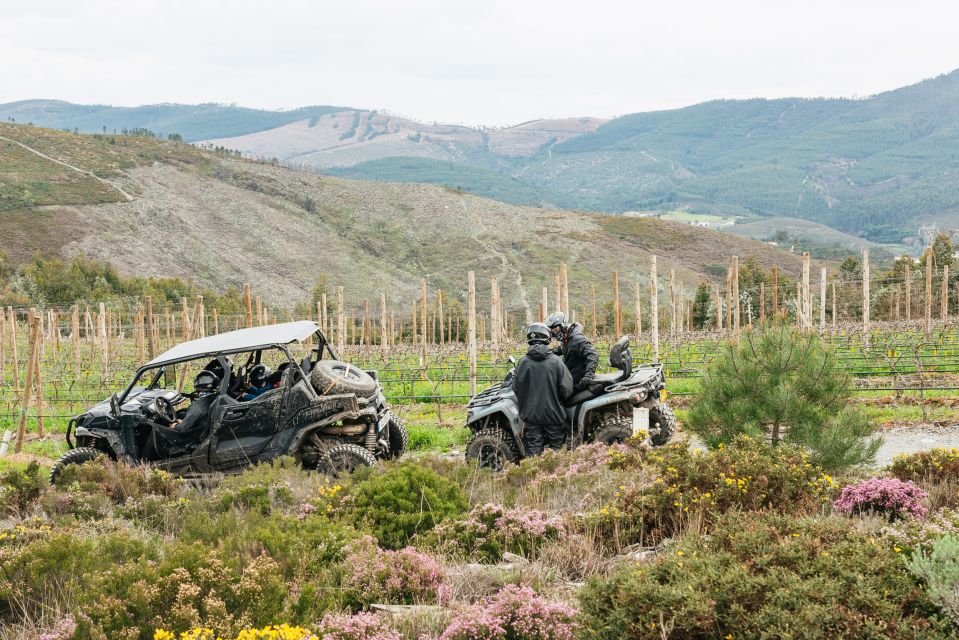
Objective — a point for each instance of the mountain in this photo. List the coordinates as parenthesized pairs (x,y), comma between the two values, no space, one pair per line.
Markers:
(157,207)
(193,122)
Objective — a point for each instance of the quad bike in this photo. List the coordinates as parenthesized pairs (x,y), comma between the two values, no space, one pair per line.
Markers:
(327,414)
(602,412)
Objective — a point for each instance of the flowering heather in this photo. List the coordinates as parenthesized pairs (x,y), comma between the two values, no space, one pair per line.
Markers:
(362,626)
(62,630)
(515,613)
(489,530)
(914,533)
(406,576)
(887,496)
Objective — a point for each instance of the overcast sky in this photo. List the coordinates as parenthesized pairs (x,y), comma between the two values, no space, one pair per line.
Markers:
(486,62)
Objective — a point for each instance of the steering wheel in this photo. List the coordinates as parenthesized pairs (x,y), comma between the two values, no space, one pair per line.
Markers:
(165,409)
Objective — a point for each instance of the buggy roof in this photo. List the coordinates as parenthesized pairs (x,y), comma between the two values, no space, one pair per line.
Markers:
(241,340)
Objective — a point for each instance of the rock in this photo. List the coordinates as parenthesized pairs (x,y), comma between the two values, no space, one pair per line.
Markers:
(404,609)
(514,559)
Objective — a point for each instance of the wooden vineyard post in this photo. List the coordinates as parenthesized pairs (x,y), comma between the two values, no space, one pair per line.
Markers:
(908,293)
(564,286)
(639,310)
(822,299)
(248,305)
(544,308)
(439,317)
(898,293)
(104,347)
(762,303)
(340,323)
(806,293)
(471,329)
(775,286)
(834,304)
(736,295)
(617,317)
(558,290)
(672,304)
(865,298)
(423,314)
(729,303)
(216,321)
(33,340)
(928,293)
(75,336)
(944,295)
(653,308)
(321,317)
(38,386)
(592,289)
(384,340)
(151,341)
(259,311)
(719,308)
(3,345)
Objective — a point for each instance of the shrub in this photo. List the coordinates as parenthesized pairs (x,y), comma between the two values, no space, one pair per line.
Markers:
(764,576)
(940,570)
(19,486)
(271,632)
(362,626)
(396,577)
(910,534)
(118,481)
(935,465)
(490,530)
(515,613)
(889,497)
(677,485)
(404,501)
(786,385)
(63,629)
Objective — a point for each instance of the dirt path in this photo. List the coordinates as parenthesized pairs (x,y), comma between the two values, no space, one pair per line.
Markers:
(70,166)
(912,439)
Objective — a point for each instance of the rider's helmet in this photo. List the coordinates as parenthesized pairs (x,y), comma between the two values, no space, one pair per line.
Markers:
(537,333)
(258,375)
(558,324)
(216,368)
(206,382)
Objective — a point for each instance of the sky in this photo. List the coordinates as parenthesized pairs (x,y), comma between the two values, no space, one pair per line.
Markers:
(493,62)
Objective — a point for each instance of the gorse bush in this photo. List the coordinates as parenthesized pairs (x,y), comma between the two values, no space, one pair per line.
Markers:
(888,497)
(940,569)
(376,576)
(490,530)
(935,465)
(765,576)
(270,632)
(19,486)
(404,501)
(515,613)
(785,385)
(674,486)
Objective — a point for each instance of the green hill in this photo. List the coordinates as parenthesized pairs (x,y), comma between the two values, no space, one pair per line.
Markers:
(193,122)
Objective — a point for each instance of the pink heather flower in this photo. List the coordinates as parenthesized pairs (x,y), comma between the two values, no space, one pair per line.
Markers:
(515,613)
(362,626)
(406,576)
(888,496)
(62,630)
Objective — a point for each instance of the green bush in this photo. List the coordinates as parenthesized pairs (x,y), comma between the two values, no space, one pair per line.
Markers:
(940,570)
(934,465)
(675,486)
(119,481)
(19,486)
(404,501)
(788,386)
(765,576)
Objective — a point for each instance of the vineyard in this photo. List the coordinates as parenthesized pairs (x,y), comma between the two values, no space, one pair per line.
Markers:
(57,362)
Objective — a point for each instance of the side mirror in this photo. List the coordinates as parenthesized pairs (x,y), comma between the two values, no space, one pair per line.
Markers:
(115,405)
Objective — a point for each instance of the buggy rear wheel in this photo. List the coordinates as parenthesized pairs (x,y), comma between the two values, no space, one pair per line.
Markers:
(398,437)
(346,458)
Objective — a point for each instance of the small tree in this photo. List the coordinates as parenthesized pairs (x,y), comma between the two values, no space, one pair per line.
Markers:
(702,307)
(785,385)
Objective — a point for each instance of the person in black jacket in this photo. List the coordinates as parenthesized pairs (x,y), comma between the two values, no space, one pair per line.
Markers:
(541,383)
(579,355)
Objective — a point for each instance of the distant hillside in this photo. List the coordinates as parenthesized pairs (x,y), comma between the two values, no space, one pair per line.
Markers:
(193,122)
(224,221)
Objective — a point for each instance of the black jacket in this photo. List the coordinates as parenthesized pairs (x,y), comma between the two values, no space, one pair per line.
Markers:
(541,383)
(578,353)
(197,416)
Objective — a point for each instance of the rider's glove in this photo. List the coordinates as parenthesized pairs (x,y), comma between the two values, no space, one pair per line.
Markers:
(586,380)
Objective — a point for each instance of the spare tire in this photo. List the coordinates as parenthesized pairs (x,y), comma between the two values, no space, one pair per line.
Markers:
(333,376)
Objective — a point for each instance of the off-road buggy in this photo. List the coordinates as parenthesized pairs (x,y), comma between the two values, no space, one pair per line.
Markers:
(602,412)
(329,415)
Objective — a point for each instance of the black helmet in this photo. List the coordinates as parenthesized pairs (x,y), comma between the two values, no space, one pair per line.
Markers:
(259,374)
(216,368)
(557,323)
(206,382)
(537,333)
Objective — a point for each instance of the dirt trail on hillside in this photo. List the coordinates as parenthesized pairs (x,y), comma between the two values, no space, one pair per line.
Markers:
(90,174)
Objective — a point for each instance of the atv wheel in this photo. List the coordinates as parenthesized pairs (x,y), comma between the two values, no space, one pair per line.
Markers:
(492,448)
(74,456)
(399,438)
(615,428)
(333,376)
(666,420)
(346,458)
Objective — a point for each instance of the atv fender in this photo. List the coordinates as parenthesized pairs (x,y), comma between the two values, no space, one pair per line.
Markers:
(507,409)
(110,439)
